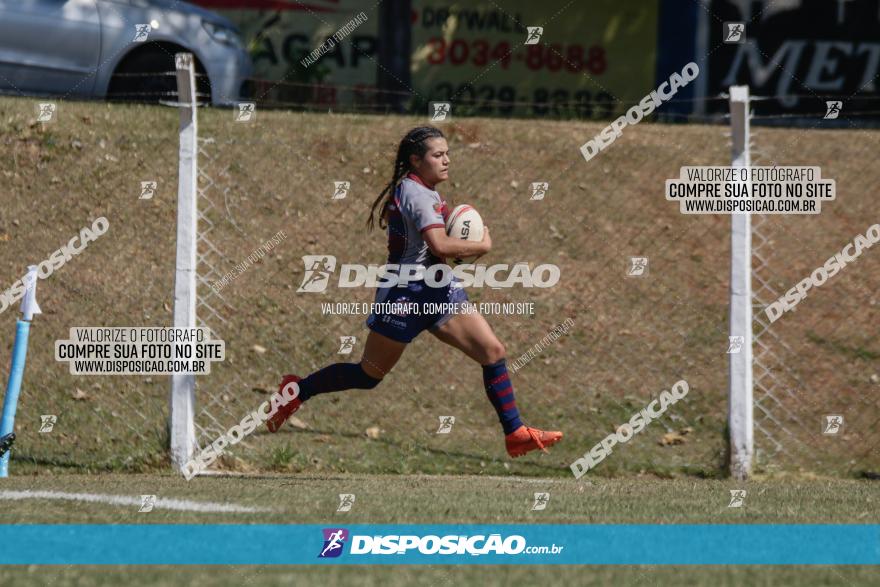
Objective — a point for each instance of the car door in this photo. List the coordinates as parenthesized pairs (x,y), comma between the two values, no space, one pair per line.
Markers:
(49,46)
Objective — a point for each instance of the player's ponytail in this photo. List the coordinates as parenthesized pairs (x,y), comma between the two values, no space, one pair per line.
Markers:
(414,143)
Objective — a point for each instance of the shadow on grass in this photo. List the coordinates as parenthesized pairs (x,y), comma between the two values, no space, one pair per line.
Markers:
(475,458)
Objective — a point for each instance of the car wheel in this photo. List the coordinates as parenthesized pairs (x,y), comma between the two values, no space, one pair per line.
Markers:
(149,75)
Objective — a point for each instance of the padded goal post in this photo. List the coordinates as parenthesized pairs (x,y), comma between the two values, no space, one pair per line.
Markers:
(740,396)
(182,400)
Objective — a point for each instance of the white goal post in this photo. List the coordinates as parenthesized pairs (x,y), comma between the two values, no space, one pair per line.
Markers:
(740,403)
(182,434)
(182,396)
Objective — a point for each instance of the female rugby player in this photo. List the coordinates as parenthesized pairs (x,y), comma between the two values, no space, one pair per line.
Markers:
(415,216)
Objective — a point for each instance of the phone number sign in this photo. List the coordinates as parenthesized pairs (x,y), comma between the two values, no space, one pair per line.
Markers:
(520,58)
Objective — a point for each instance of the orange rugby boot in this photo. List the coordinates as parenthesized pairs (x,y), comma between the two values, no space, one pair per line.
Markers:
(525,439)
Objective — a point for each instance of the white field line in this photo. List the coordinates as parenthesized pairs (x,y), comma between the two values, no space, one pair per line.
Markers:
(160,502)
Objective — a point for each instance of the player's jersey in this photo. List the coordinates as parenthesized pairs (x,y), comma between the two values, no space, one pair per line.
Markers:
(414,209)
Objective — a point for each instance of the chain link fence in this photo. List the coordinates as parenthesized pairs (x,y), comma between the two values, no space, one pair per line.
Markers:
(90,160)
(635,331)
(632,337)
(817,368)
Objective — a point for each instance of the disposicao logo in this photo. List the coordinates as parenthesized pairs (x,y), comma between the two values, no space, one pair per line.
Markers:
(334,541)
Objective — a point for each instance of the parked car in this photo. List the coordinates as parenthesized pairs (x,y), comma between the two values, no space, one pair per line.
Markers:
(93,48)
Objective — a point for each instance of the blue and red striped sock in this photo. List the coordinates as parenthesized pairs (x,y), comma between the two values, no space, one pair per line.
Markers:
(500,392)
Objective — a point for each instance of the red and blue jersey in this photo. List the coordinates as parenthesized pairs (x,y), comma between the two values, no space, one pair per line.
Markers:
(414,209)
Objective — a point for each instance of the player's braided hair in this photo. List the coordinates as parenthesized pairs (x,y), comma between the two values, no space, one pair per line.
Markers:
(414,143)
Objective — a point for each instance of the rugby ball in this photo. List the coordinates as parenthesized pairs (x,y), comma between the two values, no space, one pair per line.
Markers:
(464,223)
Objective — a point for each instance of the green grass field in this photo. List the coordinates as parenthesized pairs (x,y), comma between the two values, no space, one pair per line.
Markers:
(436,575)
(422,499)
(631,339)
(449,499)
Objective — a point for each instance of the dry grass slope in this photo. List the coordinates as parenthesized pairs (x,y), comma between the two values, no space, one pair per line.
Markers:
(632,337)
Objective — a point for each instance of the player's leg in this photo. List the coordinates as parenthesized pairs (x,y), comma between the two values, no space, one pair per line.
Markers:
(472,335)
(380,355)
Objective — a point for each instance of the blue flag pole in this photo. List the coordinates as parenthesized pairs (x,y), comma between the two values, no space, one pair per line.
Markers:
(29,307)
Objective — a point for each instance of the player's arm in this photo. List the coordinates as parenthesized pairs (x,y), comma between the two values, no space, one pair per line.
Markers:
(432,226)
(443,245)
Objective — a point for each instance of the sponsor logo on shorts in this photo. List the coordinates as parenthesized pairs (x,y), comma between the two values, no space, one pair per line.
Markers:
(400,324)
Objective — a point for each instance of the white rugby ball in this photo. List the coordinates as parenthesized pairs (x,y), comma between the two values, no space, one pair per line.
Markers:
(464,223)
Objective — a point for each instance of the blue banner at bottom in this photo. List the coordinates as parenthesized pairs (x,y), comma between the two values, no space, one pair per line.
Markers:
(483,544)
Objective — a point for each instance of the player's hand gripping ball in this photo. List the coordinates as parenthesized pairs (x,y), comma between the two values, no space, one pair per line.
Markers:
(464,223)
